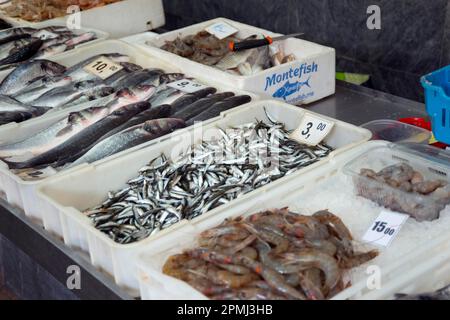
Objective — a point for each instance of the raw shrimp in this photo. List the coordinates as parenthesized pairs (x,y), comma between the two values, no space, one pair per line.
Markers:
(307,258)
(335,222)
(357,259)
(275,280)
(235,281)
(281,243)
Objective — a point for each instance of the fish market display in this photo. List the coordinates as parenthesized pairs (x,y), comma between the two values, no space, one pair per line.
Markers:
(129,108)
(21,44)
(209,50)
(441,294)
(208,175)
(40,10)
(271,255)
(405,181)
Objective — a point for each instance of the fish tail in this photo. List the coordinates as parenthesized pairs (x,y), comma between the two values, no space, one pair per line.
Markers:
(307,82)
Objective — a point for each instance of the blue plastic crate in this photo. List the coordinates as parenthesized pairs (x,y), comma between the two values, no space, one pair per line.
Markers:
(437,100)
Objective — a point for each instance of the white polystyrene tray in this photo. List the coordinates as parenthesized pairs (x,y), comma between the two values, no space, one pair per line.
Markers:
(22,193)
(326,187)
(267,82)
(427,270)
(101,36)
(65,197)
(119,19)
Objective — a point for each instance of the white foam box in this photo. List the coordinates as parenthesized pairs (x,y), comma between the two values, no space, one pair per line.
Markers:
(315,65)
(119,19)
(325,187)
(21,193)
(63,199)
(426,270)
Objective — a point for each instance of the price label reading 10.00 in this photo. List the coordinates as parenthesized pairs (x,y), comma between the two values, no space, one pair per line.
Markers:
(103,67)
(312,130)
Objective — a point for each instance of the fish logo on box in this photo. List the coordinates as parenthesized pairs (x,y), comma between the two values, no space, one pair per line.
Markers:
(290,85)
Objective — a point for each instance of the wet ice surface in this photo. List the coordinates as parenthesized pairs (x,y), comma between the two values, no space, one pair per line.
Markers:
(337,195)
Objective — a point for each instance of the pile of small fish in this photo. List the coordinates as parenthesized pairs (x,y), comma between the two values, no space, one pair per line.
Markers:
(405,179)
(208,175)
(40,10)
(131,107)
(271,255)
(209,50)
(441,294)
(21,44)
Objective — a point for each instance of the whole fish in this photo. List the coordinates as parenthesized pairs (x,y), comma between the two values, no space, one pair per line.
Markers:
(62,96)
(12,110)
(158,112)
(84,139)
(55,134)
(216,109)
(25,51)
(129,138)
(165,95)
(190,98)
(200,105)
(441,294)
(28,73)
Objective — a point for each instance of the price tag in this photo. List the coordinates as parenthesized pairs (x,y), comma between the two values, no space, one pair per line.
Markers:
(312,130)
(187,86)
(385,228)
(103,67)
(221,30)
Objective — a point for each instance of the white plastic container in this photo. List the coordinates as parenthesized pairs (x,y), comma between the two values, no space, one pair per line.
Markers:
(397,132)
(424,271)
(118,19)
(21,193)
(325,187)
(422,207)
(315,64)
(64,198)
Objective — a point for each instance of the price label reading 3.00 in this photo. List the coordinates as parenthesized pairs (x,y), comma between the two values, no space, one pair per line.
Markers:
(187,86)
(312,130)
(385,228)
(103,68)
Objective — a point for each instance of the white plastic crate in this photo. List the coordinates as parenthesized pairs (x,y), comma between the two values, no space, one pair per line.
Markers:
(315,63)
(22,194)
(64,198)
(326,187)
(427,270)
(119,19)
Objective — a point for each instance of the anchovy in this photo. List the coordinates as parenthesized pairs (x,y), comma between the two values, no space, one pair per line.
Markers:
(208,175)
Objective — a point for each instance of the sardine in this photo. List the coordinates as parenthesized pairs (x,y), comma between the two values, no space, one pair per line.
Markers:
(83,139)
(441,294)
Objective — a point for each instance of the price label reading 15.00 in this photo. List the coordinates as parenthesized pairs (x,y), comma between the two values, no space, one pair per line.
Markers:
(103,67)
(385,228)
(187,86)
(312,130)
